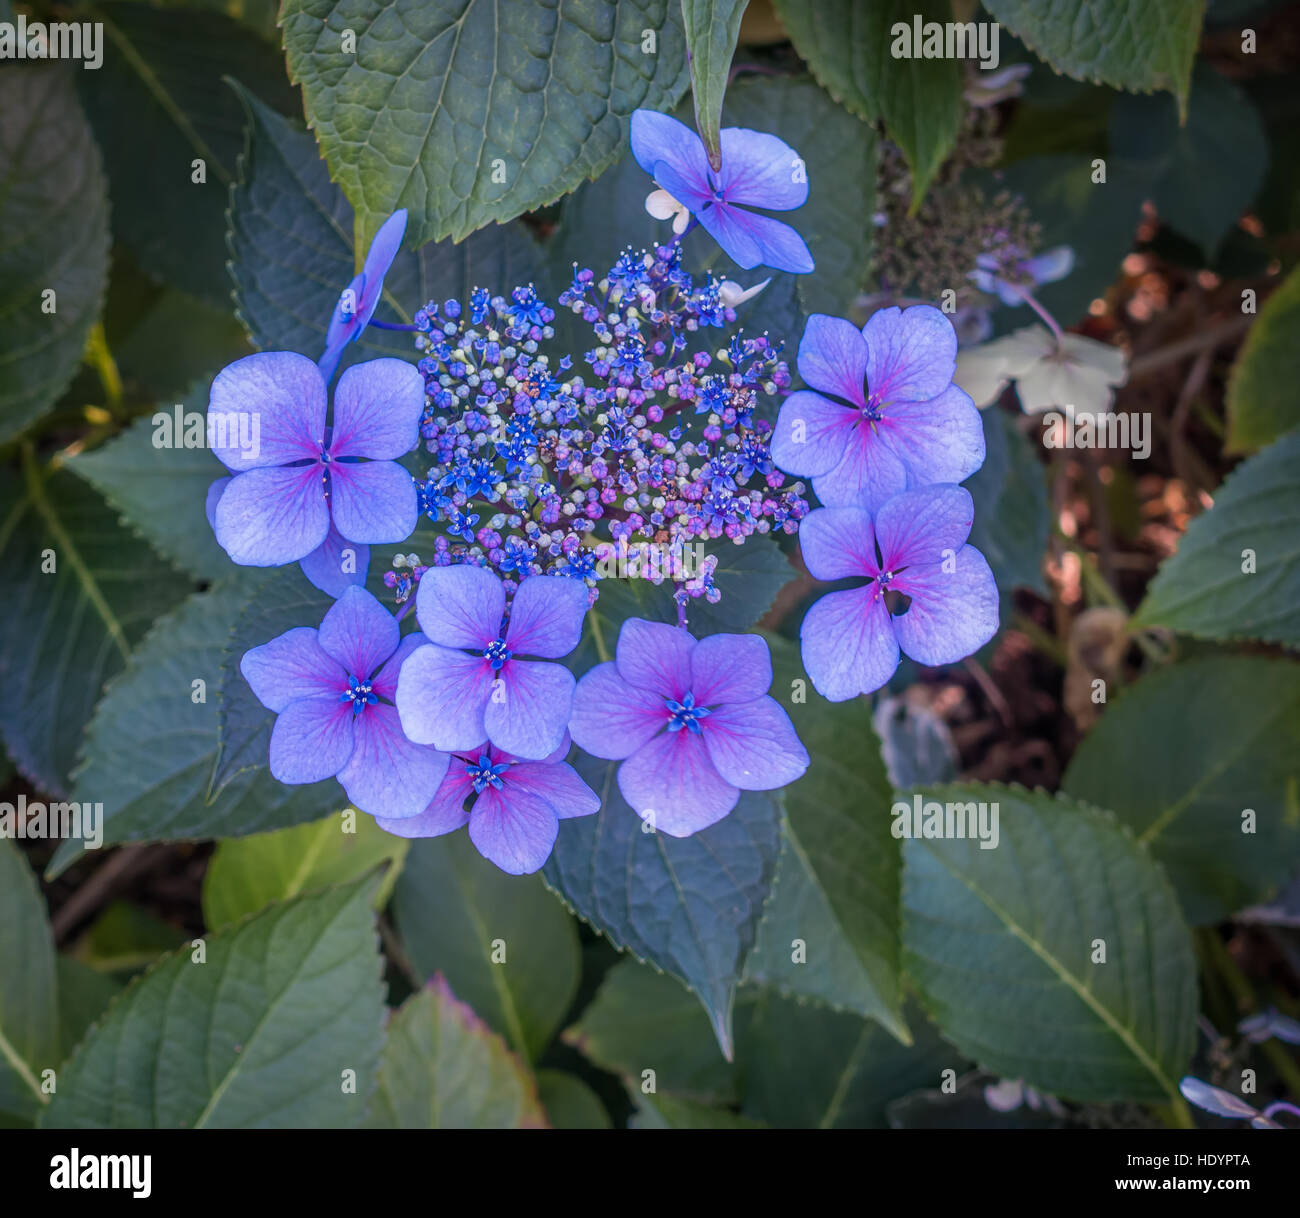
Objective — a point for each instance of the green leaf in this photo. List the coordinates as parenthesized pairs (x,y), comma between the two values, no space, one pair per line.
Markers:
(1201,174)
(1138,45)
(1203,590)
(503,942)
(158,106)
(802,1066)
(249,873)
(464,114)
(712,27)
(837,883)
(673,1112)
(1264,387)
(80,590)
(1177,770)
(261,1035)
(29,1026)
(1001,944)
(151,748)
(569,1102)
(54,216)
(159,490)
(1010,493)
(443,1068)
(688,905)
(84,994)
(849,47)
(642,1020)
(292,253)
(126,938)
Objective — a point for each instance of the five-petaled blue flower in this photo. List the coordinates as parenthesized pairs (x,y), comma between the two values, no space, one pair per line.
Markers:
(358,301)
(758,170)
(916,548)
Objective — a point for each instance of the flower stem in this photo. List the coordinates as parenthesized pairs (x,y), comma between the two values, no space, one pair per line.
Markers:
(390,325)
(1051,321)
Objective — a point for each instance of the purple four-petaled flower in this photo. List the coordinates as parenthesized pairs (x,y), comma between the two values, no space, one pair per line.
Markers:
(851,639)
(899,421)
(358,301)
(468,684)
(758,170)
(302,490)
(515,806)
(332,691)
(691,721)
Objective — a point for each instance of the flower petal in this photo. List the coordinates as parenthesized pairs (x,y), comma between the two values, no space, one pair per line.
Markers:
(377,409)
(528,709)
(833,358)
(811,433)
(291,666)
(384,682)
(752,240)
(384,247)
(514,829)
(654,657)
(848,644)
(388,774)
(838,543)
(344,326)
(312,739)
(269,517)
(359,632)
(912,353)
(446,811)
(374,501)
(215,491)
(952,614)
(672,783)
(611,718)
(918,526)
(761,170)
(558,783)
(941,440)
(730,668)
(868,474)
(754,746)
(460,606)
(337,564)
(441,696)
(546,616)
(659,140)
(266,409)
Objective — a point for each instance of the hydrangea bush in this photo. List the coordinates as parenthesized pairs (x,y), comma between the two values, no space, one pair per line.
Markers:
(635,555)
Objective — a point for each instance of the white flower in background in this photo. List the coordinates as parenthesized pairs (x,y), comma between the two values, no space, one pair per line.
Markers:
(988,88)
(1074,374)
(662,206)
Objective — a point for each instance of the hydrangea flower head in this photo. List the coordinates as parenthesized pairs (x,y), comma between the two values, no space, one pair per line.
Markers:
(758,170)
(916,547)
(514,806)
(332,691)
(468,683)
(691,721)
(305,486)
(358,301)
(881,414)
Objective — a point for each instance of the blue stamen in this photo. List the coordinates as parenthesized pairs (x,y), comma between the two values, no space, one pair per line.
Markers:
(359,694)
(485,774)
(685,714)
(497,653)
